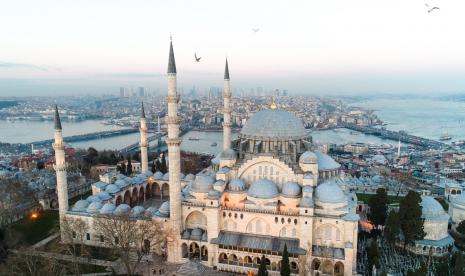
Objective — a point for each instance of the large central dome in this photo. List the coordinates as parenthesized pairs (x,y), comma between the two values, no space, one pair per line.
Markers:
(274,124)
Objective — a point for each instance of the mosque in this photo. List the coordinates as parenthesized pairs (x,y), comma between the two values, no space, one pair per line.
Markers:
(266,189)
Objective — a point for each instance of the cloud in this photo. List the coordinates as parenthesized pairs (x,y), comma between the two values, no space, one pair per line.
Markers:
(11,65)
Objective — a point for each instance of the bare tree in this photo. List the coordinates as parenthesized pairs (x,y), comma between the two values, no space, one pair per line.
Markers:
(73,231)
(28,262)
(131,239)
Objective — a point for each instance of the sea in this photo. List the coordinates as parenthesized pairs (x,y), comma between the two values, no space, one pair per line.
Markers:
(422,117)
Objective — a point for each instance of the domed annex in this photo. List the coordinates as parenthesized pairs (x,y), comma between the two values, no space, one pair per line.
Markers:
(268,188)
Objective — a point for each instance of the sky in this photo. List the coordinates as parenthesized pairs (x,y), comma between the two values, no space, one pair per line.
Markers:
(317,47)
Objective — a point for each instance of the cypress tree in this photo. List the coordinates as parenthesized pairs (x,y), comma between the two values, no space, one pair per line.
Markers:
(459,265)
(153,167)
(373,255)
(129,167)
(378,207)
(285,268)
(163,167)
(411,222)
(391,230)
(461,227)
(262,268)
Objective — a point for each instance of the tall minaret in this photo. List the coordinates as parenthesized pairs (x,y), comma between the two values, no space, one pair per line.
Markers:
(226,110)
(143,141)
(60,167)
(173,142)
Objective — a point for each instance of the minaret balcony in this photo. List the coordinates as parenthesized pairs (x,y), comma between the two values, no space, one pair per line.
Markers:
(173,120)
(58,146)
(173,141)
(172,98)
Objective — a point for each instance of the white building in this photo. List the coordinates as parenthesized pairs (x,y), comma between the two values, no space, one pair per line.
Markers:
(266,189)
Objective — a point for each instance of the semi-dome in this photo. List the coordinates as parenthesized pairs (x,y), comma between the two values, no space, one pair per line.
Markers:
(112,189)
(94,207)
(80,205)
(308,157)
(103,195)
(137,211)
(228,154)
(164,210)
(274,123)
(291,189)
(196,234)
(108,209)
(263,188)
(122,209)
(203,183)
(431,209)
(329,192)
(325,162)
(236,185)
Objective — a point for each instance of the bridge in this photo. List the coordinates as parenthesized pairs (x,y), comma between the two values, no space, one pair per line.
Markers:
(89,136)
(396,135)
(135,146)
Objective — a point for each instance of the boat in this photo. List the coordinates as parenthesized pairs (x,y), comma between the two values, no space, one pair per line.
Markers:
(354,133)
(193,139)
(458,143)
(214,144)
(445,138)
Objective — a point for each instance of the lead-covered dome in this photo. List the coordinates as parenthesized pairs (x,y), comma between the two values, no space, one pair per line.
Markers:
(308,157)
(274,123)
(264,189)
(236,185)
(291,189)
(203,183)
(329,192)
(431,209)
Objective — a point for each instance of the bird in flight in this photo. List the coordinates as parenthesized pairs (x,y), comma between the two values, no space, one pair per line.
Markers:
(197,59)
(431,9)
(255,30)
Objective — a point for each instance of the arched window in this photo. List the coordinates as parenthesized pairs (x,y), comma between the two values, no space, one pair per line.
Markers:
(338,235)
(328,232)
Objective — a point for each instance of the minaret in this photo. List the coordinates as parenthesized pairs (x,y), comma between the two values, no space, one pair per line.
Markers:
(143,141)
(226,110)
(60,167)
(173,142)
(398,149)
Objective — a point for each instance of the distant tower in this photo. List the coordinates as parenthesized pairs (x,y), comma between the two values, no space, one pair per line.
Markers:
(60,167)
(173,142)
(143,141)
(226,110)
(158,124)
(398,149)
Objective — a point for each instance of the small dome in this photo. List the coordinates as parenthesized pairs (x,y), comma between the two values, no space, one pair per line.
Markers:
(189,177)
(196,234)
(273,123)
(130,180)
(101,185)
(218,183)
(329,192)
(308,157)
(166,176)
(431,209)
(112,189)
(94,207)
(148,173)
(186,234)
(291,189)
(164,210)
(236,185)
(307,189)
(137,211)
(107,209)
(151,211)
(121,183)
(216,160)
(203,183)
(158,175)
(122,209)
(103,195)
(213,194)
(306,202)
(264,189)
(80,205)
(181,176)
(228,154)
(138,180)
(94,198)
(325,162)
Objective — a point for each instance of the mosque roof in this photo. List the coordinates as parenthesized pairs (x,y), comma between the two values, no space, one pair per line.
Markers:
(459,200)
(137,211)
(308,157)
(325,162)
(164,210)
(80,205)
(264,189)
(94,207)
(228,154)
(158,175)
(122,209)
(431,209)
(107,209)
(103,195)
(275,124)
(203,183)
(291,189)
(112,189)
(329,192)
(236,185)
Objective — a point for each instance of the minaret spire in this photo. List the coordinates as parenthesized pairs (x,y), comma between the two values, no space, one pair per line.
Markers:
(226,109)
(60,168)
(173,142)
(143,141)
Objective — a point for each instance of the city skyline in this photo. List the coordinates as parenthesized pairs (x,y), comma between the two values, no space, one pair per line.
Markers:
(314,48)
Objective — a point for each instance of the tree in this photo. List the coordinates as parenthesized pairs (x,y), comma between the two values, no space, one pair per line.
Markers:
(163,167)
(461,227)
(262,271)
(73,231)
(131,239)
(28,261)
(373,255)
(92,154)
(443,268)
(285,268)
(410,219)
(378,207)
(392,228)
(459,265)
(3,247)
(153,167)
(421,271)
(129,167)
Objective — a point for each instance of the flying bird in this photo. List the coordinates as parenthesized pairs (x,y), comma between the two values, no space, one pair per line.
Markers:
(432,9)
(197,59)
(255,30)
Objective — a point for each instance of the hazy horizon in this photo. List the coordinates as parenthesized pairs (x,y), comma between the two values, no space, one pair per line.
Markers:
(331,47)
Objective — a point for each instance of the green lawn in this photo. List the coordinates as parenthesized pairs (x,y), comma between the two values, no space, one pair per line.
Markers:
(32,231)
(366,198)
